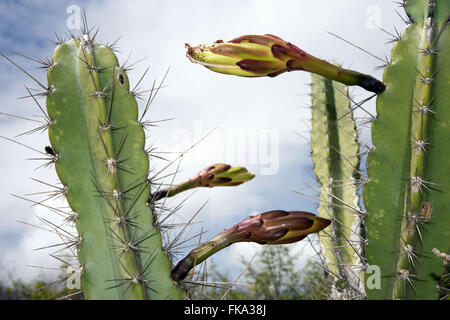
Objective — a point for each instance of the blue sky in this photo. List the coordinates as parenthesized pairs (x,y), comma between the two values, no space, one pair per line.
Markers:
(198,99)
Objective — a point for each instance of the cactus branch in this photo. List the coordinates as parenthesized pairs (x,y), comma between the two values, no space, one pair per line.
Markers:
(273,227)
(269,55)
(216,175)
(407,196)
(335,154)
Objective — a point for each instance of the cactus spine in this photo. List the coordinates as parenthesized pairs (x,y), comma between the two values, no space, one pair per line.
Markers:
(335,156)
(100,159)
(407,196)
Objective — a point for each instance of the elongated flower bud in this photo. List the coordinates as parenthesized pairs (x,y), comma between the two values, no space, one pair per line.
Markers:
(269,55)
(216,175)
(273,227)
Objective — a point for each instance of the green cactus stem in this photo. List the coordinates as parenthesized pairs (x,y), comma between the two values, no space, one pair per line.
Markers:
(100,159)
(335,152)
(407,198)
(273,227)
(269,55)
(216,175)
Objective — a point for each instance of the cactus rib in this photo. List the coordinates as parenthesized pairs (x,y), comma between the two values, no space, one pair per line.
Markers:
(334,152)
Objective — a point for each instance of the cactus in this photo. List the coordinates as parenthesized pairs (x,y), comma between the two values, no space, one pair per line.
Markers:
(97,147)
(407,198)
(273,227)
(269,55)
(216,175)
(406,183)
(405,225)
(407,193)
(99,157)
(335,152)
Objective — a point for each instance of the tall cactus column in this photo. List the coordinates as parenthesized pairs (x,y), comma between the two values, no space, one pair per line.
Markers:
(407,198)
(335,155)
(100,158)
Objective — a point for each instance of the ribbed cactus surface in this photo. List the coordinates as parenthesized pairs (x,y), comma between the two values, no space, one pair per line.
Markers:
(335,151)
(407,198)
(100,158)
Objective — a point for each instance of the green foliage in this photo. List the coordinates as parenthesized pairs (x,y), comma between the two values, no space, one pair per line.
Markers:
(37,290)
(275,276)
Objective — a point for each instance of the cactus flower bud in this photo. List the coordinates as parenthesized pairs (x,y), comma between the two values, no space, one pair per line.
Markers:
(273,227)
(269,55)
(217,175)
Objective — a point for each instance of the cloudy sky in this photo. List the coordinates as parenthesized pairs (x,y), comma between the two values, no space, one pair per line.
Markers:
(259,123)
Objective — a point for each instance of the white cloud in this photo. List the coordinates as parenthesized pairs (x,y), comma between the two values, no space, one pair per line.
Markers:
(30,257)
